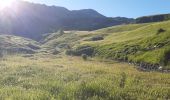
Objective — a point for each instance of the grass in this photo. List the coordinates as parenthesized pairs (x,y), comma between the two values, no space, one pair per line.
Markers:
(43,76)
(134,42)
(16,44)
(48,77)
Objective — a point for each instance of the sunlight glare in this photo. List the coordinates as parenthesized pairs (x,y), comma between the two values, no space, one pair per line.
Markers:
(5,4)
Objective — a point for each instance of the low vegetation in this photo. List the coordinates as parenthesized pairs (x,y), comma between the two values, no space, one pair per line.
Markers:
(84,56)
(153,18)
(96,38)
(146,45)
(48,77)
(161,31)
(65,66)
(10,44)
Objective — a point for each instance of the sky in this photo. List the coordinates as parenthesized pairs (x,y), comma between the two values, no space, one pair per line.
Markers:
(114,8)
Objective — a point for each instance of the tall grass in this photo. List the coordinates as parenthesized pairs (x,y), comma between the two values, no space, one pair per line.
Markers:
(71,78)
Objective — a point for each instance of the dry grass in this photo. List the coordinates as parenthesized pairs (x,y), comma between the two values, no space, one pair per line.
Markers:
(44,77)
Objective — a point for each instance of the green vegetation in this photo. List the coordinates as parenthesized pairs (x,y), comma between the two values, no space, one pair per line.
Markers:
(84,56)
(96,68)
(160,31)
(153,18)
(139,43)
(48,77)
(13,44)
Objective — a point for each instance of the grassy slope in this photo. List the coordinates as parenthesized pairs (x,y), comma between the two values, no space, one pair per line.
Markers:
(17,44)
(145,40)
(47,77)
(69,38)
(135,42)
(74,38)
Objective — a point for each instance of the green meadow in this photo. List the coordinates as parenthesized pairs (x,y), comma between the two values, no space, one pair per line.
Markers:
(48,77)
(43,70)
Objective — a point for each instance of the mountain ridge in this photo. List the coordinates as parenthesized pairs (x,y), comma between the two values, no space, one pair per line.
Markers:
(27,19)
(153,18)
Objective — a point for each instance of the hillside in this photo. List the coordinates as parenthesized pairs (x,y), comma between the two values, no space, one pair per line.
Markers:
(153,18)
(50,74)
(47,73)
(27,19)
(10,44)
(32,20)
(78,50)
(145,45)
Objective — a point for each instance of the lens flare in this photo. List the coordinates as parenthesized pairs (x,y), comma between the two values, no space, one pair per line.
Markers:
(5,4)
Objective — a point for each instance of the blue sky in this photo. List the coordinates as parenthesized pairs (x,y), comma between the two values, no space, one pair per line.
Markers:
(114,8)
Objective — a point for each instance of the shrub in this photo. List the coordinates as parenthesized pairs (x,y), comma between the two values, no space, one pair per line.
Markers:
(160,30)
(96,38)
(84,56)
(69,52)
(88,50)
(166,58)
(56,51)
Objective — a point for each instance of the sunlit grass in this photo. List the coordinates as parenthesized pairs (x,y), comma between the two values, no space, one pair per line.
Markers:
(43,76)
(61,77)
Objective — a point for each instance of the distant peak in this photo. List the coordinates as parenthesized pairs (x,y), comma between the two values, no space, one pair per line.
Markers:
(88,12)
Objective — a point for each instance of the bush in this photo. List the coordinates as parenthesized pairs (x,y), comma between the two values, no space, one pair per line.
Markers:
(69,52)
(88,50)
(161,30)
(84,56)
(96,38)
(166,58)
(56,51)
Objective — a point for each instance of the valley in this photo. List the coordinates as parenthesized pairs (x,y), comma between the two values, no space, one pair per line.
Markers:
(55,70)
(77,50)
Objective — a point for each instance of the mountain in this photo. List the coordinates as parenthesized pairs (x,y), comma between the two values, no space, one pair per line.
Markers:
(32,20)
(153,18)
